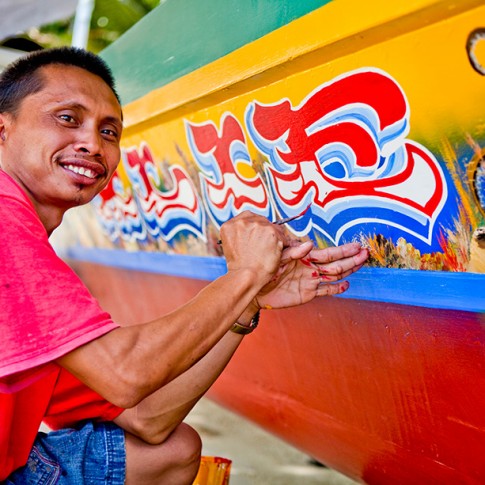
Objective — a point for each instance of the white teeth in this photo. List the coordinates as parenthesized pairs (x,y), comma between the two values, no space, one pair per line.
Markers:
(87,172)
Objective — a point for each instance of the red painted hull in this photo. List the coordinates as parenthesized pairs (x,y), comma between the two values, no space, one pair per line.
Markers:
(387,394)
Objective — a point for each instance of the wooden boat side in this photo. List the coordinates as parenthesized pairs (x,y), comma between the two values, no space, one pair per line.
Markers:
(384,393)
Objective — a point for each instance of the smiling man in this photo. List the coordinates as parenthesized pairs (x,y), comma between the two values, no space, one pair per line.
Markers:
(73,150)
(115,396)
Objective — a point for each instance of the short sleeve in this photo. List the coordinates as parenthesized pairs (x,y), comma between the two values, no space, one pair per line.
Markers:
(72,402)
(46,311)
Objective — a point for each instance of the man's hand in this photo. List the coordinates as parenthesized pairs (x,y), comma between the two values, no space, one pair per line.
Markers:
(306,273)
(252,242)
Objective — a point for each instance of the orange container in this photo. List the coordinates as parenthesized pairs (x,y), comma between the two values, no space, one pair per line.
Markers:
(213,470)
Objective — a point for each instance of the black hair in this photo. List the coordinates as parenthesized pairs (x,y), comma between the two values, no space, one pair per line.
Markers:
(22,77)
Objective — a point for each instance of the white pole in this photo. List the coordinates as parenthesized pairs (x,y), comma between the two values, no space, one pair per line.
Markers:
(82,22)
(8,55)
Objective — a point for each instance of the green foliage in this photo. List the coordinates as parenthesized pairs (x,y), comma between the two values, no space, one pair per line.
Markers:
(110,19)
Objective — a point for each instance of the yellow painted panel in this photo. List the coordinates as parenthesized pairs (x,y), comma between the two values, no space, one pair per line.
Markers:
(340,28)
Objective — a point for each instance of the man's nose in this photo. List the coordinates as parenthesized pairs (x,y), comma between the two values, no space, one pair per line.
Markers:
(90,142)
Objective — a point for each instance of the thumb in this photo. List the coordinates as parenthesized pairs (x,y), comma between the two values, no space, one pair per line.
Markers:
(296,252)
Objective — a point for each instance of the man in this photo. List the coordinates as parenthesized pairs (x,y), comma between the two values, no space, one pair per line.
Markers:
(117,395)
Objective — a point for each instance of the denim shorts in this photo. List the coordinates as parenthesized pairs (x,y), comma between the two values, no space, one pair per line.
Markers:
(92,453)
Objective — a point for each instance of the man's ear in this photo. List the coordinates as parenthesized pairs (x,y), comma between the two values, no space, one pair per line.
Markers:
(3,127)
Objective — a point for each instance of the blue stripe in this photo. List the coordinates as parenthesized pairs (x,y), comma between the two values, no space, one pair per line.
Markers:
(197,267)
(431,289)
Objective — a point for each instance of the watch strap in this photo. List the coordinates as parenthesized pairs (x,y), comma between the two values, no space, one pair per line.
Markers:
(241,329)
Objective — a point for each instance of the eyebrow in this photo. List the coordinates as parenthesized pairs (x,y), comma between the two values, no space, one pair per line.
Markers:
(76,105)
(115,121)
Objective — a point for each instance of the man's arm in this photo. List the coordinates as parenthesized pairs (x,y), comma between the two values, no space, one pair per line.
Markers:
(130,363)
(156,416)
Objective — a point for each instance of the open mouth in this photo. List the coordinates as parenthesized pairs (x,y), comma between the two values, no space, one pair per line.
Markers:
(83,170)
(87,172)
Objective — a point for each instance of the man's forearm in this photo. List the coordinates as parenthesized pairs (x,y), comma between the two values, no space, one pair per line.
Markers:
(154,418)
(130,363)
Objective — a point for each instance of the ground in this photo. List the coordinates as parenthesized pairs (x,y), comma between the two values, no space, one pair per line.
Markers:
(258,457)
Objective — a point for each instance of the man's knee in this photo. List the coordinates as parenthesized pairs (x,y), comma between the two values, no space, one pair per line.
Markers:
(187,444)
(176,460)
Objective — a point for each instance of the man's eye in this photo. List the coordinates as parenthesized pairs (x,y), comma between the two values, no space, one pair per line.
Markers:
(109,132)
(67,118)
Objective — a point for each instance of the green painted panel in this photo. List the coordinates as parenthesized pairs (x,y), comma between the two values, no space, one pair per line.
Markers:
(180,36)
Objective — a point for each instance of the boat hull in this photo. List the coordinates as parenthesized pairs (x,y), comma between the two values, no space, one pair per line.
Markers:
(384,393)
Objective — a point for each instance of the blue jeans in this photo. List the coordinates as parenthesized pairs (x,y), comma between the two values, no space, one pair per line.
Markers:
(92,453)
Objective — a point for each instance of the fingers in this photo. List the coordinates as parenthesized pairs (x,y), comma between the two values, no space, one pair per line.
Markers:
(329,255)
(294,252)
(340,262)
(336,271)
(251,241)
(332,289)
(335,264)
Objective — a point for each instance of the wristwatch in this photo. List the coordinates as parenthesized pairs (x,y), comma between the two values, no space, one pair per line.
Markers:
(245,329)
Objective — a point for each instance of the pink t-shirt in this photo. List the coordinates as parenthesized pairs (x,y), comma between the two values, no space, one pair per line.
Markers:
(45,312)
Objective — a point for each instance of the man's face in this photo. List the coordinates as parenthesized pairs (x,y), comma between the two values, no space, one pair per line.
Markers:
(62,145)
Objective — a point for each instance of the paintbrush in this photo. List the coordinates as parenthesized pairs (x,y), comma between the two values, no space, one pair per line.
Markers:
(286,219)
(292,218)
